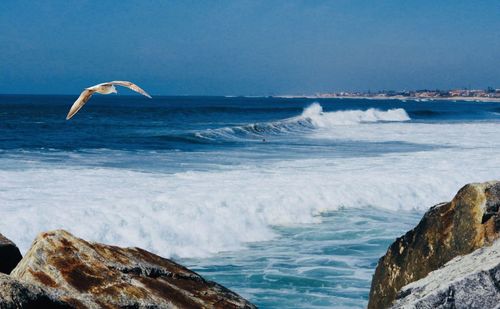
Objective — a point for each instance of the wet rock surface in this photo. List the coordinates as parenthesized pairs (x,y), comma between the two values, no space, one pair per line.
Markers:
(470,221)
(73,272)
(9,255)
(470,281)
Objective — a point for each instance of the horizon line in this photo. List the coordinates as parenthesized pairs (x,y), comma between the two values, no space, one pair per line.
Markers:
(264,95)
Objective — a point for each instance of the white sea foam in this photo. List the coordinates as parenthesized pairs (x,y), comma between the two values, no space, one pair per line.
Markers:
(314,113)
(200,213)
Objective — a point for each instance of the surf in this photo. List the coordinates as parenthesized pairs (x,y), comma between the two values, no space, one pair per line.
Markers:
(312,118)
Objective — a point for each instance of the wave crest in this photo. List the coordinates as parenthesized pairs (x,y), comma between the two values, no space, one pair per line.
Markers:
(314,113)
(313,117)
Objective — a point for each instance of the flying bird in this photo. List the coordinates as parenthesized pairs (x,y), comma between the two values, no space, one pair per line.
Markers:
(104,88)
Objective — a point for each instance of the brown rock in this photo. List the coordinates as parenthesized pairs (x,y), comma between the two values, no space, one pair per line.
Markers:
(9,255)
(470,221)
(97,275)
(18,294)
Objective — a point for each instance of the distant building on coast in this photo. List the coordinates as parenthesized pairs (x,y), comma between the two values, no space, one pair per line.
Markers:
(420,94)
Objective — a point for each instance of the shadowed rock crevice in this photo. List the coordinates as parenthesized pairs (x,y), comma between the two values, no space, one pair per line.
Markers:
(9,255)
(495,277)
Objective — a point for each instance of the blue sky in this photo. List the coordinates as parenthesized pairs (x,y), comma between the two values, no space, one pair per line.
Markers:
(248,47)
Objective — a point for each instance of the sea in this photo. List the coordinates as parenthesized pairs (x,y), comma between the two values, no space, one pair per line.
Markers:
(289,202)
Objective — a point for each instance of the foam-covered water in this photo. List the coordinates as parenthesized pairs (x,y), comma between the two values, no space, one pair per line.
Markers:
(286,201)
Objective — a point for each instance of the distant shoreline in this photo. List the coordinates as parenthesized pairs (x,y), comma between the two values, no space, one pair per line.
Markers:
(375,97)
(401,98)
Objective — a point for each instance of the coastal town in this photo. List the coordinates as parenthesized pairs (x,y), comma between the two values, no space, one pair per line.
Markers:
(488,94)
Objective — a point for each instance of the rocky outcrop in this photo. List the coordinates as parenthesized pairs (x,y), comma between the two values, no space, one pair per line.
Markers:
(72,272)
(470,281)
(17,294)
(470,221)
(9,255)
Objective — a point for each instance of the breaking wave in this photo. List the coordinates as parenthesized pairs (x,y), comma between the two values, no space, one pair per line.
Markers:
(313,117)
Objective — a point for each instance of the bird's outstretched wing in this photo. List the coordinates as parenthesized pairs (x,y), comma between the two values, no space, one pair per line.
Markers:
(130,86)
(82,99)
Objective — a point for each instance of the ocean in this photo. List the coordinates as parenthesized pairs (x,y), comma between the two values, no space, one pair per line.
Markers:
(288,202)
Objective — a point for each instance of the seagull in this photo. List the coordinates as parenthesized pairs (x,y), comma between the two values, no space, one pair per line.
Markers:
(104,88)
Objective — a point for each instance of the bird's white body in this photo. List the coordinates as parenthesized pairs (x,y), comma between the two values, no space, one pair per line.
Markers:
(104,88)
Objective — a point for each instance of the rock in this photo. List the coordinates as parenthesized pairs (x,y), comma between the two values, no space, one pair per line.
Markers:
(470,281)
(9,255)
(96,275)
(17,294)
(470,221)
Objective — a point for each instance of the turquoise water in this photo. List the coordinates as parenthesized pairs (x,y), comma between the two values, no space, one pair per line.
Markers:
(289,202)
(311,266)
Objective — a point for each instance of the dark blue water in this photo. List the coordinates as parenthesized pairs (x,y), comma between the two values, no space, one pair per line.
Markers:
(133,123)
